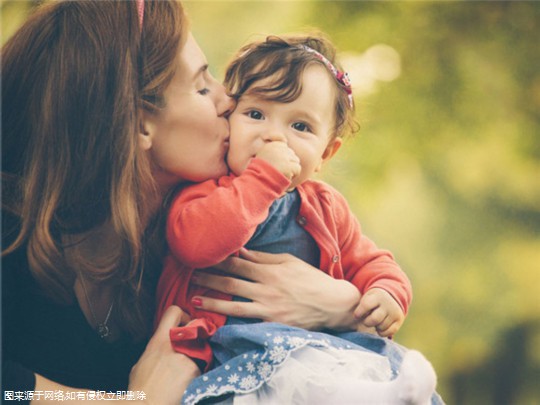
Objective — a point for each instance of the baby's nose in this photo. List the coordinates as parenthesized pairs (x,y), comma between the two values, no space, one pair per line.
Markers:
(274,136)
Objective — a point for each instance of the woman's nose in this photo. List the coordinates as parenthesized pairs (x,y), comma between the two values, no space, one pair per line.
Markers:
(225,105)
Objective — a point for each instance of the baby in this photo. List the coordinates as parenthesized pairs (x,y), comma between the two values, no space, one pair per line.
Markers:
(294,106)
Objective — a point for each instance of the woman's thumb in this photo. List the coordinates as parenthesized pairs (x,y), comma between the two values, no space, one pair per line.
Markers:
(172,317)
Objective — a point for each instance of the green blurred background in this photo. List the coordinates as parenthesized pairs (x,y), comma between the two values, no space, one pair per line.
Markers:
(445,170)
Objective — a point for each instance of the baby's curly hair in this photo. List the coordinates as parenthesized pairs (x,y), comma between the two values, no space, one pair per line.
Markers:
(284,59)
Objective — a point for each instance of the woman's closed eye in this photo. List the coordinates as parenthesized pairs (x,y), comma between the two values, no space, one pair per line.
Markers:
(205,81)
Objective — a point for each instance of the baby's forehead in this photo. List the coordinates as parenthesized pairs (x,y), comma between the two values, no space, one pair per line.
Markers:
(284,85)
(265,79)
(252,97)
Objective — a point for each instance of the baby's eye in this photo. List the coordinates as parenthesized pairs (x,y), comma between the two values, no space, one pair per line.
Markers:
(302,127)
(256,115)
(203,92)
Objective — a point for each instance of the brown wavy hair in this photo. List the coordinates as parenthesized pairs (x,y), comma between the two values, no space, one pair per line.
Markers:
(75,77)
(282,59)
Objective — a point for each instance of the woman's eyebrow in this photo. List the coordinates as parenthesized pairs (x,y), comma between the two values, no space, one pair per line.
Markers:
(201,71)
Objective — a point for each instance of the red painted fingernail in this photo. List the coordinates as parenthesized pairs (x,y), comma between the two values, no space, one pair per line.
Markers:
(196,301)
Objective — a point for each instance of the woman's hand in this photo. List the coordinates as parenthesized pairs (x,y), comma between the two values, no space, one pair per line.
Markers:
(161,373)
(283,289)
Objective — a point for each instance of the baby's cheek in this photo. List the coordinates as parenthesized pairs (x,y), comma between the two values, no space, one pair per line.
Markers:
(236,163)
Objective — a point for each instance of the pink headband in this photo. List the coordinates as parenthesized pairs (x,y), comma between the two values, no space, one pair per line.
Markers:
(341,77)
(140,11)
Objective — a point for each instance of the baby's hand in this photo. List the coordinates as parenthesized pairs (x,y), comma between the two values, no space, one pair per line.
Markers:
(283,158)
(377,308)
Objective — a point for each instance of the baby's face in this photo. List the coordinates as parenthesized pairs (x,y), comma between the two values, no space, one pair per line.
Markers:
(306,124)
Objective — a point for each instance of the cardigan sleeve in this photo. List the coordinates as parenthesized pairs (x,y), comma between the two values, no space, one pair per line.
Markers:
(366,265)
(210,221)
(175,288)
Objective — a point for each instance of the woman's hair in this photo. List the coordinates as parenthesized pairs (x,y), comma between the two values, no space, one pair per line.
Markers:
(75,77)
(284,59)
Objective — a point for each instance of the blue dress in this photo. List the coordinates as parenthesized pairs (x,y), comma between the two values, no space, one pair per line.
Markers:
(249,353)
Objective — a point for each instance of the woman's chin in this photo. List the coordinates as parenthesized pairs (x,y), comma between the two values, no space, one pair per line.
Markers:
(222,170)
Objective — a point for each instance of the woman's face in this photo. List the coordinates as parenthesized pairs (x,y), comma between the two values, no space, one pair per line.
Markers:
(189,138)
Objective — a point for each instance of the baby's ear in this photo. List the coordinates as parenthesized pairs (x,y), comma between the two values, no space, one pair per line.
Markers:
(332,148)
(330,151)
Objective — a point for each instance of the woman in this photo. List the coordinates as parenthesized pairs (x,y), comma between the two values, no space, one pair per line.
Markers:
(101,101)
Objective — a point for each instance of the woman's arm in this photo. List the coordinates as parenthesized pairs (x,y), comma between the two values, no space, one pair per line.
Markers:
(161,373)
(283,289)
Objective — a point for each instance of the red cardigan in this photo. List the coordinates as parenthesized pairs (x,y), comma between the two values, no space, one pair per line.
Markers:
(210,221)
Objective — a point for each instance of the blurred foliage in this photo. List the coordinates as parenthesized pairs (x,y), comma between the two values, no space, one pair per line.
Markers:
(445,170)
